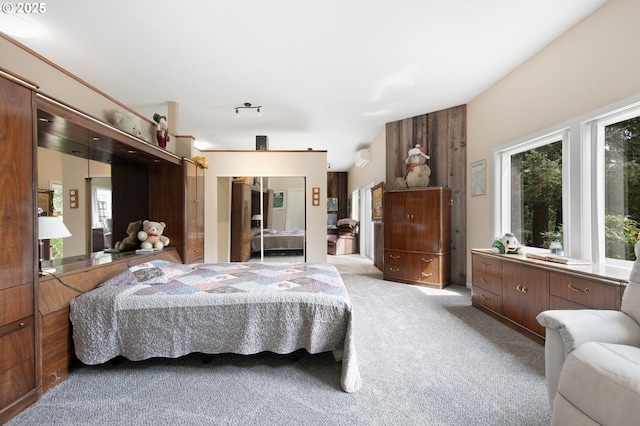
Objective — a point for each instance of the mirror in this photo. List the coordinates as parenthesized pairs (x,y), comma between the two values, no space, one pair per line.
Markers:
(81,193)
(267,218)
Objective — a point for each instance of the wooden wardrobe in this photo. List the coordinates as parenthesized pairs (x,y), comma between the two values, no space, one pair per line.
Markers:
(417,236)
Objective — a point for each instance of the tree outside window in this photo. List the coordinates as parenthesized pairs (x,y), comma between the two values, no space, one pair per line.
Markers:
(536,195)
(622,188)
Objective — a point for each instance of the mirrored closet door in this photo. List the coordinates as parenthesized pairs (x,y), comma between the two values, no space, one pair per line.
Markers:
(267,219)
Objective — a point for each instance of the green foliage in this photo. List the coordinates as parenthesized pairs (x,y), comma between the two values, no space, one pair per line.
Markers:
(537,189)
(56,248)
(621,236)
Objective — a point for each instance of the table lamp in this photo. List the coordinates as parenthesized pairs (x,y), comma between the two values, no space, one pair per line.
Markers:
(49,227)
(256,218)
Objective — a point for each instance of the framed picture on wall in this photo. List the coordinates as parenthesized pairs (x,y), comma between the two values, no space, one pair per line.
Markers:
(278,200)
(376,202)
(332,204)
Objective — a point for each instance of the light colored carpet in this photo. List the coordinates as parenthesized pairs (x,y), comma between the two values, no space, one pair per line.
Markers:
(427,357)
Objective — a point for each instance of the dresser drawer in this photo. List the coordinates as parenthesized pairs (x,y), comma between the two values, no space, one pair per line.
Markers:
(17,361)
(16,343)
(585,292)
(431,268)
(489,300)
(486,281)
(392,257)
(486,265)
(16,303)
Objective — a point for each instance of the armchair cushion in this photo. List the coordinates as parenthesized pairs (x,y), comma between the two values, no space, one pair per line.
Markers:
(602,382)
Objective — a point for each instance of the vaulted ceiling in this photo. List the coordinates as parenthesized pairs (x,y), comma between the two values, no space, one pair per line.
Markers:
(328,74)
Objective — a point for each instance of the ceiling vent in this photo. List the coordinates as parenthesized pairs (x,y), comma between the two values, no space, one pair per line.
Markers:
(362,158)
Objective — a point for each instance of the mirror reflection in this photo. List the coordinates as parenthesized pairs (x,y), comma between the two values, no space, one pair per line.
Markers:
(267,218)
(78,190)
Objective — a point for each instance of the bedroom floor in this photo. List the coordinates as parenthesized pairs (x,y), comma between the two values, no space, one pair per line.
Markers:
(346,264)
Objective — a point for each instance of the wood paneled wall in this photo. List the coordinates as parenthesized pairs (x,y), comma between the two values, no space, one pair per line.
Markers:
(443,134)
(337,188)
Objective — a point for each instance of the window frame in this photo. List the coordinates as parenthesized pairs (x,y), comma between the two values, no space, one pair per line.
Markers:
(582,179)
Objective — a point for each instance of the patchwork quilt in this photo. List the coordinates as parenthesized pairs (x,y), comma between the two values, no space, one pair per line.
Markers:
(164,309)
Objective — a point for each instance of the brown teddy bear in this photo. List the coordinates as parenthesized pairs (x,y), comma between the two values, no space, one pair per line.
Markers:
(151,235)
(418,172)
(131,242)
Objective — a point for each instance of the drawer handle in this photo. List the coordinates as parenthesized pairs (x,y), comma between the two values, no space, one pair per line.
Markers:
(578,290)
(485,264)
(484,280)
(409,216)
(21,324)
(522,288)
(427,260)
(394,257)
(394,270)
(485,297)
(426,275)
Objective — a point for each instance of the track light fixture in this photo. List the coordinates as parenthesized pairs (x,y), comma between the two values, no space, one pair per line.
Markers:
(247,105)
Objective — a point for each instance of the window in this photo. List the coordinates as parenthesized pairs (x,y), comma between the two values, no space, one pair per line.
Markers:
(532,178)
(578,183)
(536,195)
(617,138)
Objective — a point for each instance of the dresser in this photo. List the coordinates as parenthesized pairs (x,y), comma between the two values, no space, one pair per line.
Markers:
(417,236)
(515,289)
(19,381)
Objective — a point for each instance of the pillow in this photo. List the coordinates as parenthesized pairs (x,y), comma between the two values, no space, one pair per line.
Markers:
(351,223)
(631,296)
(153,272)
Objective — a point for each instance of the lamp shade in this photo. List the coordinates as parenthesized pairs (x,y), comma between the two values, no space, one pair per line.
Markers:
(51,227)
(256,217)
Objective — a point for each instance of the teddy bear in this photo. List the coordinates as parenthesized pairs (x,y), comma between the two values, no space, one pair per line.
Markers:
(128,123)
(418,172)
(506,244)
(151,235)
(201,161)
(162,130)
(131,242)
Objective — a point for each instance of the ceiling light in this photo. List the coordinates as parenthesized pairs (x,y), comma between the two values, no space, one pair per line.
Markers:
(247,105)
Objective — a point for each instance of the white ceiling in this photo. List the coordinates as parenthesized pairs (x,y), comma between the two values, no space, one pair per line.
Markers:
(329,74)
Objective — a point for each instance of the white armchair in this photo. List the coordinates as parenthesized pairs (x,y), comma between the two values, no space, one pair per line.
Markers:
(592,361)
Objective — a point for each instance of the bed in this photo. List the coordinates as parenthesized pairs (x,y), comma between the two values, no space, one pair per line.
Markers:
(276,241)
(165,309)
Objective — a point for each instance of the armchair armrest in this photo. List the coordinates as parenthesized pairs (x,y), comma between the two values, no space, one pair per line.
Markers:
(568,329)
(585,325)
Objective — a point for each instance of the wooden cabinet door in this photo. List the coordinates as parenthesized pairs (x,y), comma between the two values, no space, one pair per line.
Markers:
(395,220)
(240,222)
(17,207)
(525,293)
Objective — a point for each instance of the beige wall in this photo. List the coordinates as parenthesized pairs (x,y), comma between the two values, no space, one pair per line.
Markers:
(62,86)
(374,172)
(309,164)
(592,65)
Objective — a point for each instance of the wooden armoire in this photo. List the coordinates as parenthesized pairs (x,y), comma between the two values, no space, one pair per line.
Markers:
(417,236)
